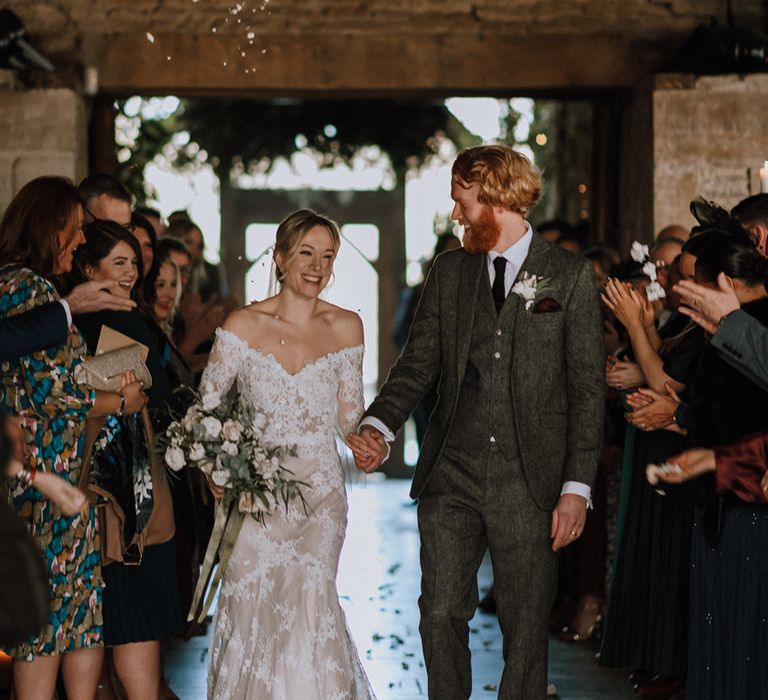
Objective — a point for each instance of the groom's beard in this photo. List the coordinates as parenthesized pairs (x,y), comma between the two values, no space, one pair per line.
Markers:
(483,235)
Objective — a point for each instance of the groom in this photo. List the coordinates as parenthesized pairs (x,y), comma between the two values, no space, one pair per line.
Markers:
(512,444)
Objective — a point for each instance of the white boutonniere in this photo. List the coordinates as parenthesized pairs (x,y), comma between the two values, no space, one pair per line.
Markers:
(528,286)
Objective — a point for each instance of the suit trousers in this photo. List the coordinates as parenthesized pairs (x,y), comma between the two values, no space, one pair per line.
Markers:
(469,505)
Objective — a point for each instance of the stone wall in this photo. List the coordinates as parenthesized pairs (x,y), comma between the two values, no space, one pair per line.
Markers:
(301,46)
(709,139)
(42,132)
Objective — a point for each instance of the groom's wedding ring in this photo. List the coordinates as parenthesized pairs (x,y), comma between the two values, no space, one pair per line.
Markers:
(642,426)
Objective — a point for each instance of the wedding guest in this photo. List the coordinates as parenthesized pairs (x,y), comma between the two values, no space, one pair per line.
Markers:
(741,339)
(141,604)
(39,232)
(192,506)
(205,278)
(145,234)
(106,198)
(674,231)
(647,623)
(155,218)
(752,214)
(729,559)
(179,251)
(196,321)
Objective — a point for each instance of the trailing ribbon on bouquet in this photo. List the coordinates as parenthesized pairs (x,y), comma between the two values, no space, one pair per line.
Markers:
(226,528)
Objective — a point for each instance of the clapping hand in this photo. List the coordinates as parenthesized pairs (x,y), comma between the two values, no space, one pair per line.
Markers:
(705,306)
(652,410)
(620,374)
(626,304)
(685,466)
(368,447)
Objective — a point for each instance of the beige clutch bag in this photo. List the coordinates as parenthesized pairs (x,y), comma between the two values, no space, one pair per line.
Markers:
(104,371)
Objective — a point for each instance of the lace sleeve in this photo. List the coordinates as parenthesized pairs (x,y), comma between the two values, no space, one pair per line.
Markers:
(350,394)
(223,364)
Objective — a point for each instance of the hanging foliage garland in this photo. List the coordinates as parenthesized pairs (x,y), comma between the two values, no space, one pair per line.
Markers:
(254,133)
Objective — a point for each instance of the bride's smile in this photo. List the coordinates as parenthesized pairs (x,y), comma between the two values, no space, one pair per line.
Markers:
(309,268)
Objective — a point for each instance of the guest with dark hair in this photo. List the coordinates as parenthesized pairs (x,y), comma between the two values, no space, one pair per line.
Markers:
(752,214)
(205,279)
(39,232)
(192,506)
(196,321)
(647,621)
(144,233)
(155,218)
(729,558)
(141,604)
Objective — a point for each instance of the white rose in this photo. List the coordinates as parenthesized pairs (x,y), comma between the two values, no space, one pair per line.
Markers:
(197,452)
(174,458)
(212,426)
(211,401)
(231,431)
(259,421)
(220,477)
(229,448)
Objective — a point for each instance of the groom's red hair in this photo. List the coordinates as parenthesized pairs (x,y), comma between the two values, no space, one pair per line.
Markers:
(507,178)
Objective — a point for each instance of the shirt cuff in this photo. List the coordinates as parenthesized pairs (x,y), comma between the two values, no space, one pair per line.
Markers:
(383,429)
(67,311)
(376,423)
(578,489)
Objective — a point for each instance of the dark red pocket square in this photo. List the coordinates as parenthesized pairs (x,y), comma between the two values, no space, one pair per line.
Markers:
(547,305)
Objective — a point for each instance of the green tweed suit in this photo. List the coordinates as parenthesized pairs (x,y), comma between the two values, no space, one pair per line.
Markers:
(519,412)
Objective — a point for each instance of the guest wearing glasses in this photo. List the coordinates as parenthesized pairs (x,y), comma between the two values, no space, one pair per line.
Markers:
(107,199)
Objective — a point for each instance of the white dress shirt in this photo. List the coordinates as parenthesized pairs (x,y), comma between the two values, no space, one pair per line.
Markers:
(515,255)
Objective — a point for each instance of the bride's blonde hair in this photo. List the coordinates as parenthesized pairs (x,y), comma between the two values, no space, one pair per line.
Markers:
(291,232)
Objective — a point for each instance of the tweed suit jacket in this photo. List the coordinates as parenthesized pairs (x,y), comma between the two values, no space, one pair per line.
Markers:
(557,375)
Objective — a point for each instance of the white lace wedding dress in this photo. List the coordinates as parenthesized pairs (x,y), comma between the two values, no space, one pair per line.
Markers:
(280,633)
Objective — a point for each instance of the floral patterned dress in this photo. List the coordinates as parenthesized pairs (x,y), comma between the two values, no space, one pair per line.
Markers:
(41,389)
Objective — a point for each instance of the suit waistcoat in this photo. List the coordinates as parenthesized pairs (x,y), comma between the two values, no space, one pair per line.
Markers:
(485,410)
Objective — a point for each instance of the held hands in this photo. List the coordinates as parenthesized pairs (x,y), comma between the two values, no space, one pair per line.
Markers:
(368,447)
(705,306)
(97,296)
(568,520)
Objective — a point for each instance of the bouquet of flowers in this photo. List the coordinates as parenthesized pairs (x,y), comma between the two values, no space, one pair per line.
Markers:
(224,442)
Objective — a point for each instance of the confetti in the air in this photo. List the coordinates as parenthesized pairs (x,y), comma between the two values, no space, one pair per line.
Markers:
(150,38)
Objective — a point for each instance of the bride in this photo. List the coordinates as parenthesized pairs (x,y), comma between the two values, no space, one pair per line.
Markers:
(280,633)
